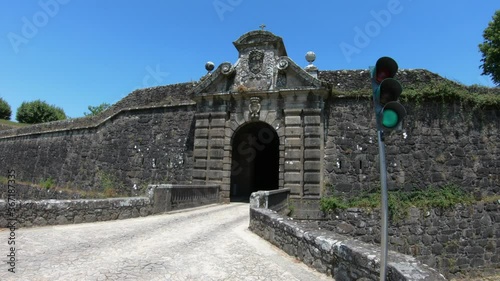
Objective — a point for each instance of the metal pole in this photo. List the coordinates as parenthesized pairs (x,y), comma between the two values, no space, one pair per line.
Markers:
(384,211)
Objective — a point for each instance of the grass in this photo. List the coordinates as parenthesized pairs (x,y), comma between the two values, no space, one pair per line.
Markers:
(47,184)
(12,123)
(400,202)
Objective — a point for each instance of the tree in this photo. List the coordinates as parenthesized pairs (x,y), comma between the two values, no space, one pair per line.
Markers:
(5,111)
(39,112)
(95,110)
(490,49)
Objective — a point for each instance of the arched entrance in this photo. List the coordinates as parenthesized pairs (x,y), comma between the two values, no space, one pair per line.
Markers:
(255,160)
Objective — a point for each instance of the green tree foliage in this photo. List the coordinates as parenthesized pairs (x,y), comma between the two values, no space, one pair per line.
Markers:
(39,112)
(95,110)
(490,49)
(5,110)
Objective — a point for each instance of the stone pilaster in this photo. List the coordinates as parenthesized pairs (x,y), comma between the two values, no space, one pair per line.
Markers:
(294,152)
(313,145)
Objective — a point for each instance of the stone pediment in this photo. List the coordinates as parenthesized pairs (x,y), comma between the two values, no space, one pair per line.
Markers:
(262,66)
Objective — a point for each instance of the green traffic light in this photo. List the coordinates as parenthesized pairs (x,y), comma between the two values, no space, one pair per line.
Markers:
(389,118)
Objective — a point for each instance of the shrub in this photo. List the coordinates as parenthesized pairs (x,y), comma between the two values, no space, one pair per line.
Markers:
(39,112)
(5,110)
(95,110)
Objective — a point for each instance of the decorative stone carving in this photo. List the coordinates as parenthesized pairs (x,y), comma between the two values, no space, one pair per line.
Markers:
(254,107)
(226,68)
(262,65)
(282,64)
(281,80)
(255,61)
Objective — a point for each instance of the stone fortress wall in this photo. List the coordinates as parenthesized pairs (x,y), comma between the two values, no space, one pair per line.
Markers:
(145,138)
(149,136)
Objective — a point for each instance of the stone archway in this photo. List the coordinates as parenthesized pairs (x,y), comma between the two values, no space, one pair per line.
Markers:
(255,160)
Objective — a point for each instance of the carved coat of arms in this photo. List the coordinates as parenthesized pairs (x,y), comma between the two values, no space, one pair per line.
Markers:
(255,61)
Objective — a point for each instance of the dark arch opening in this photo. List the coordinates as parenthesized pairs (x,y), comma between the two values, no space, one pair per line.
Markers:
(255,160)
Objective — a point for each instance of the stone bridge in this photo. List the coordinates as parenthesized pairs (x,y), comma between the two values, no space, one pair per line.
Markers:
(207,243)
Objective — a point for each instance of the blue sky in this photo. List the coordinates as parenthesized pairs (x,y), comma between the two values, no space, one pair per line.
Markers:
(76,53)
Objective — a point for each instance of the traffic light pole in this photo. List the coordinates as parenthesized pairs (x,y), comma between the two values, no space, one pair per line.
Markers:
(384,208)
(389,115)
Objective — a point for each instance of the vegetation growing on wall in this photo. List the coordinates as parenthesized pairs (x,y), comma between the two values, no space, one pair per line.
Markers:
(111,186)
(401,201)
(446,91)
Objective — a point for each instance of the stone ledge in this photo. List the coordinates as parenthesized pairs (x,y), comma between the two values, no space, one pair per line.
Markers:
(342,257)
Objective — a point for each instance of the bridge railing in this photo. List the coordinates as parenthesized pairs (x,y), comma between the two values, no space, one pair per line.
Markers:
(276,200)
(167,197)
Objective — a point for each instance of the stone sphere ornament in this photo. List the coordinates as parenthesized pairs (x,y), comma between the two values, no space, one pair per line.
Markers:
(209,66)
(310,57)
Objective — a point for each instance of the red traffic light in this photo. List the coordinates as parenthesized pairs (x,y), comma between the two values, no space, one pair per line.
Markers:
(385,68)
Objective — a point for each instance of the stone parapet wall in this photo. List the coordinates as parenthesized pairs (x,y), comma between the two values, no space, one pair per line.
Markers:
(163,96)
(276,200)
(167,197)
(457,242)
(342,257)
(53,212)
(160,199)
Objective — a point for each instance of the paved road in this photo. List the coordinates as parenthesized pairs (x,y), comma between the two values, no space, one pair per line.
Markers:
(211,243)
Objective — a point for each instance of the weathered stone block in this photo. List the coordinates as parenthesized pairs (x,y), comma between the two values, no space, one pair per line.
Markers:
(312,166)
(293,120)
(312,120)
(293,154)
(201,133)
(217,153)
(311,177)
(199,174)
(202,123)
(215,164)
(313,154)
(215,175)
(293,177)
(216,143)
(295,189)
(218,123)
(217,133)
(293,166)
(312,142)
(293,131)
(200,153)
(291,142)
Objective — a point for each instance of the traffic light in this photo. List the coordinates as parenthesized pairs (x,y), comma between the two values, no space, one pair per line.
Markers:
(386,91)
